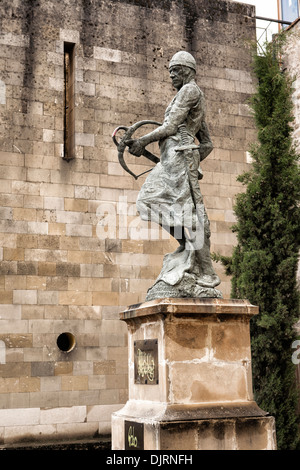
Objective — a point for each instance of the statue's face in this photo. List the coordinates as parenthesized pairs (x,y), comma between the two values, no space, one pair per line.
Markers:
(176,75)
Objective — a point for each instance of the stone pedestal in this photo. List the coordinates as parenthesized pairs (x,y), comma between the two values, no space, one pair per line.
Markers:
(190,379)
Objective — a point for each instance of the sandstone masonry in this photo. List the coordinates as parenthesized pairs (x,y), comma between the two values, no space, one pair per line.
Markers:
(60,274)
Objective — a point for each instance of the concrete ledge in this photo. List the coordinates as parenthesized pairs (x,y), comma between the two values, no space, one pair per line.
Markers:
(102,443)
(180,307)
(165,412)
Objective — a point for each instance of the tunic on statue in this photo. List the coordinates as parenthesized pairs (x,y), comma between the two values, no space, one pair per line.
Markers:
(171,197)
(167,187)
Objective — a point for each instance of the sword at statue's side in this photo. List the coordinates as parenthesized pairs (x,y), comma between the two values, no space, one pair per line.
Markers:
(187,150)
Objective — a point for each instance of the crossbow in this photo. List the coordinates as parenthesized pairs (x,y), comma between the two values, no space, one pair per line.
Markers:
(121,145)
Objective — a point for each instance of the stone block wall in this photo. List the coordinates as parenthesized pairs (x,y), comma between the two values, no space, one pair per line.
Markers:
(61,272)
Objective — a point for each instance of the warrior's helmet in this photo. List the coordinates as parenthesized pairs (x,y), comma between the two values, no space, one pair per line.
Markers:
(183,58)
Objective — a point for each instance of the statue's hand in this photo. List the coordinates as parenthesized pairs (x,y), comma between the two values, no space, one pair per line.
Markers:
(135,147)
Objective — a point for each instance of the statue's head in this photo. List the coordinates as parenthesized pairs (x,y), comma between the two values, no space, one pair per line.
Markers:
(183,58)
(182,68)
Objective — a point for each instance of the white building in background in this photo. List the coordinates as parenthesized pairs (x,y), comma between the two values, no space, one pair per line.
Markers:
(288,10)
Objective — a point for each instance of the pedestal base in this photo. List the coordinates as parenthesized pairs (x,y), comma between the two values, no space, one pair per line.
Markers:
(221,428)
(190,378)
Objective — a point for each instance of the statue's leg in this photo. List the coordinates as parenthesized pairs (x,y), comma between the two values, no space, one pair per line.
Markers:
(178,233)
(208,276)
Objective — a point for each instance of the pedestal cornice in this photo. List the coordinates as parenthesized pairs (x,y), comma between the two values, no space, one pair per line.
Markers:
(191,306)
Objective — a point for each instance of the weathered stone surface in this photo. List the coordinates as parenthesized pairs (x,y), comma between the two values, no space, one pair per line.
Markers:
(203,398)
(230,434)
(197,363)
(55,269)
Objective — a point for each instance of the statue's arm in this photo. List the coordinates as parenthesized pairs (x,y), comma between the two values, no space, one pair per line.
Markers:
(205,142)
(186,98)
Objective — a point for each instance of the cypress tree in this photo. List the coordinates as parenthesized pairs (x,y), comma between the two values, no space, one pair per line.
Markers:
(264,262)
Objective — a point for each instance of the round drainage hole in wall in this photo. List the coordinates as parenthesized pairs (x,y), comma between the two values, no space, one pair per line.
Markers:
(66,342)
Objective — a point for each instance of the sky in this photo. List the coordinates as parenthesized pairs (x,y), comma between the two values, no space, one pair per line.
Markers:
(266,9)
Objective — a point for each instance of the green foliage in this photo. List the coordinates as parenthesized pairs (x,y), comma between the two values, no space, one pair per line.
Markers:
(264,262)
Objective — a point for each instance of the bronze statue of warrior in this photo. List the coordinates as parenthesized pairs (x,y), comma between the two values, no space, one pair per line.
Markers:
(171,195)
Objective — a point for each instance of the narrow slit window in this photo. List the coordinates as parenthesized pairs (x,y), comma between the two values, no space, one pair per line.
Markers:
(69,98)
